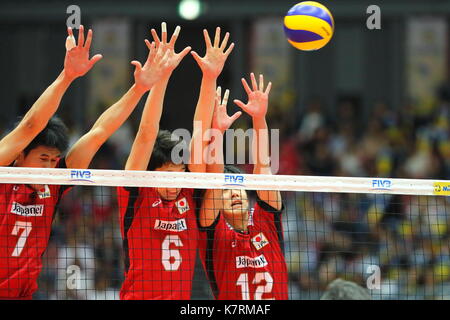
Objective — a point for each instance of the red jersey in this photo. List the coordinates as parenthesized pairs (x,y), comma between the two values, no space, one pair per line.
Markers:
(26,217)
(246,266)
(160,243)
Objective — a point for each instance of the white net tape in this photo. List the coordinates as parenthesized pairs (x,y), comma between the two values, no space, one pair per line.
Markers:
(224,181)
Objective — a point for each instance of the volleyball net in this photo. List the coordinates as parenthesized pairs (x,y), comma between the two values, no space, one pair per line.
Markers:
(113,236)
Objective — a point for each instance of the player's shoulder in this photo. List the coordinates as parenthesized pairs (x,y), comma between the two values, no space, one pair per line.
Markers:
(7,189)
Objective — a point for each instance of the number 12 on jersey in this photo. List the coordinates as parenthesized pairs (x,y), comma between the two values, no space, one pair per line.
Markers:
(243,282)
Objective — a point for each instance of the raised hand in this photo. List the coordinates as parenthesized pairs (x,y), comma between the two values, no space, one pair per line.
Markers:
(213,61)
(258,99)
(174,58)
(155,66)
(77,62)
(221,120)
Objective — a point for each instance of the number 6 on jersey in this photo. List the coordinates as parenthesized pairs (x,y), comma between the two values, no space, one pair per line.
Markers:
(171,258)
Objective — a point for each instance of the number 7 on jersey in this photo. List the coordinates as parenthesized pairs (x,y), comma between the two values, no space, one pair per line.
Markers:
(24,228)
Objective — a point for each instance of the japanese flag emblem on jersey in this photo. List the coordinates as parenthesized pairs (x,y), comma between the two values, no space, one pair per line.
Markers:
(259,241)
(182,205)
(44,192)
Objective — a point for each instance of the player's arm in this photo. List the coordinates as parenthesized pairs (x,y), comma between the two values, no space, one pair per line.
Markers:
(76,64)
(211,65)
(81,154)
(256,107)
(212,200)
(149,126)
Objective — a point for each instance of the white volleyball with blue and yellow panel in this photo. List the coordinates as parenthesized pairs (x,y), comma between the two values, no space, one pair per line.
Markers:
(308,25)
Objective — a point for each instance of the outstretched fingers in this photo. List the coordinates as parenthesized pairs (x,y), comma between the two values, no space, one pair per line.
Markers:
(87,45)
(153,52)
(183,53)
(246,86)
(137,64)
(254,84)
(155,37)
(240,104)
(225,41)
(197,58)
(174,37)
(217,37)
(225,97)
(163,32)
(269,86)
(70,40)
(148,44)
(234,117)
(230,48)
(95,59)
(81,36)
(207,39)
(261,82)
(219,93)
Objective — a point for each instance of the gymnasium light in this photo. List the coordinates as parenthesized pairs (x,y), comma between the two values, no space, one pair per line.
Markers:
(189,9)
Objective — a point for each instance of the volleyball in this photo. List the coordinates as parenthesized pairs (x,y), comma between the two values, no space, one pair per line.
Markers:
(308,25)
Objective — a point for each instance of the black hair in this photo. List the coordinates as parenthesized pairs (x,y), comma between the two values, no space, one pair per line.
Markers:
(54,135)
(231,169)
(162,150)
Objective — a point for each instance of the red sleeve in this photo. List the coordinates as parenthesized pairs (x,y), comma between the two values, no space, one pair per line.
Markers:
(122,195)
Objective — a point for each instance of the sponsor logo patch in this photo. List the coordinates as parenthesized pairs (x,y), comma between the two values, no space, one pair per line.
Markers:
(182,205)
(259,241)
(441,188)
(27,211)
(157,202)
(248,262)
(174,226)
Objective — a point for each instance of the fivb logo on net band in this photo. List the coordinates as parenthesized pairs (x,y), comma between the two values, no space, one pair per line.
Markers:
(381,184)
(236,150)
(81,175)
(234,180)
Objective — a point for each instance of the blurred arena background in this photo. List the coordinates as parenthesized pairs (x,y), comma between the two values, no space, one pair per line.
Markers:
(372,103)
